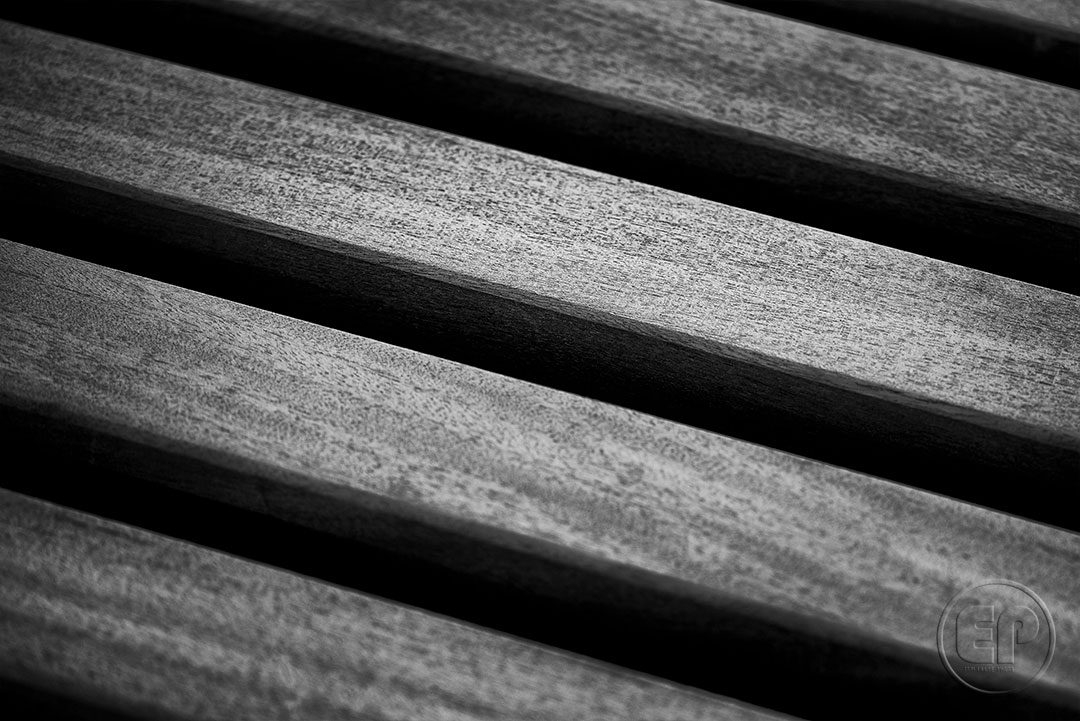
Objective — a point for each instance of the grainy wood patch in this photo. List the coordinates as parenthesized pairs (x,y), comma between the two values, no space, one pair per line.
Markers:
(881,142)
(112,617)
(712,556)
(860,355)
(1037,38)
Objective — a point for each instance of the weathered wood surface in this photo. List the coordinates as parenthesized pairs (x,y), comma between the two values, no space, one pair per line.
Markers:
(885,143)
(1037,38)
(121,619)
(853,353)
(648,523)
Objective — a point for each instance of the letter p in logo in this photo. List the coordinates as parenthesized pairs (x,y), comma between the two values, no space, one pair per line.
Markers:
(1016,625)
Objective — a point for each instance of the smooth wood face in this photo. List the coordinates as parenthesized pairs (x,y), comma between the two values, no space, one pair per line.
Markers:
(814,342)
(122,619)
(885,143)
(514,482)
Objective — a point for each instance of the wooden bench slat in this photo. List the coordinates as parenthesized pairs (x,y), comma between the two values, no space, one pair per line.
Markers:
(117,618)
(640,522)
(823,345)
(1055,18)
(1063,14)
(1037,38)
(935,156)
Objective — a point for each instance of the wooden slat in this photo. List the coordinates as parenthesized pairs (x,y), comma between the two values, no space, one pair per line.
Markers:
(1062,14)
(1052,17)
(1037,38)
(106,616)
(612,521)
(885,143)
(824,345)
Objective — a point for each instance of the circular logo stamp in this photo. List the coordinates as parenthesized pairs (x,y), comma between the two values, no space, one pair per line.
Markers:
(996,637)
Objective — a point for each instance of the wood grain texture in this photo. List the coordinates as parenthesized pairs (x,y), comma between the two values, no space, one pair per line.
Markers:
(114,617)
(821,344)
(1036,38)
(863,138)
(831,581)
(873,103)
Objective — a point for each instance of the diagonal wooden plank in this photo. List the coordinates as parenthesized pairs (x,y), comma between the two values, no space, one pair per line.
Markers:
(107,616)
(1055,13)
(1037,38)
(935,156)
(606,518)
(820,344)
(1050,16)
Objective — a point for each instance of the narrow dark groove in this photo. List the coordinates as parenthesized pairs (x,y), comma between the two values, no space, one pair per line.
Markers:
(230,258)
(596,609)
(547,119)
(26,702)
(996,40)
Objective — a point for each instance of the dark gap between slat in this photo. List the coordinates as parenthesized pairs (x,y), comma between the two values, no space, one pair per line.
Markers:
(26,702)
(920,215)
(231,258)
(996,40)
(539,593)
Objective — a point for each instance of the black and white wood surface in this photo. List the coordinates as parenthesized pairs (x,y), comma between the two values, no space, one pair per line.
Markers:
(122,621)
(467,421)
(940,157)
(824,345)
(704,538)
